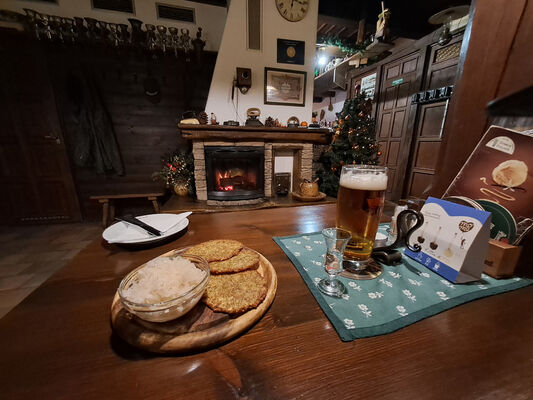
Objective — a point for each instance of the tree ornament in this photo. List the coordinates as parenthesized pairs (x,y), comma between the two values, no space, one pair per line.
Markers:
(353,141)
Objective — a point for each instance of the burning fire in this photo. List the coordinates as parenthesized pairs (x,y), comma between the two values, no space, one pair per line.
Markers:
(226,188)
(233,179)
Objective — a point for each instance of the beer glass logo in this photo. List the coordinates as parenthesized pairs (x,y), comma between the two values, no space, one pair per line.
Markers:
(466,226)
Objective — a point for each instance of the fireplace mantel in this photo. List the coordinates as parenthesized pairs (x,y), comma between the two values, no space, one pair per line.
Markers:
(299,141)
(238,133)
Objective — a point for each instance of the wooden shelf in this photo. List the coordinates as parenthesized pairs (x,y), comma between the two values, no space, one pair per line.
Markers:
(335,78)
(244,133)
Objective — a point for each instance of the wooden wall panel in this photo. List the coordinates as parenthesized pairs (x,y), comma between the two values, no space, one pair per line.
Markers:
(425,155)
(145,131)
(442,77)
(431,119)
(518,72)
(485,55)
(419,182)
(440,71)
(31,132)
(396,135)
(385,124)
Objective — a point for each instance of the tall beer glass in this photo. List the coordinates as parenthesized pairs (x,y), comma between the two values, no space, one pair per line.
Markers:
(360,202)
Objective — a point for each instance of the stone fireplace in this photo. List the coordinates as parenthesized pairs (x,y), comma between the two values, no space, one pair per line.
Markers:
(234,172)
(226,158)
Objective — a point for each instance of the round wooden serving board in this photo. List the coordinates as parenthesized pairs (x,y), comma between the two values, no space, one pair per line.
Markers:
(196,330)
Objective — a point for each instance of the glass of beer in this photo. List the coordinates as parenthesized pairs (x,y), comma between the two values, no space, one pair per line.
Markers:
(360,202)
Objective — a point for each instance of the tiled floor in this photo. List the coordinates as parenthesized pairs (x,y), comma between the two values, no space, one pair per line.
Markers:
(31,254)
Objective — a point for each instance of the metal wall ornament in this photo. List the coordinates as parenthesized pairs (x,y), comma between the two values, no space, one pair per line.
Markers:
(90,31)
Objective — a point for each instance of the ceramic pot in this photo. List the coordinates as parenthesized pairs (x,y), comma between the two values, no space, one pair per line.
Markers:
(181,189)
(309,189)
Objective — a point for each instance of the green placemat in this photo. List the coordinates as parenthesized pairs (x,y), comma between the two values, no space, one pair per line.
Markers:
(400,296)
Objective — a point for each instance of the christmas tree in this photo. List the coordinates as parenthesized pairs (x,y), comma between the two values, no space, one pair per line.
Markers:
(354,142)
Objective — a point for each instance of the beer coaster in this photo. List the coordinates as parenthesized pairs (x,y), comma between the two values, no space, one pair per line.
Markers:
(299,197)
(370,270)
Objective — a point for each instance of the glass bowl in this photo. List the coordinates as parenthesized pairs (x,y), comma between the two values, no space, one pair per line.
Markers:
(169,309)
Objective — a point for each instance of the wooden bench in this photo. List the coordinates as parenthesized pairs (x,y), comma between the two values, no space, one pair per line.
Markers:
(108,208)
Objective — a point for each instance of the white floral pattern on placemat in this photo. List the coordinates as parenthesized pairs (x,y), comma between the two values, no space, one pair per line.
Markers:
(401,295)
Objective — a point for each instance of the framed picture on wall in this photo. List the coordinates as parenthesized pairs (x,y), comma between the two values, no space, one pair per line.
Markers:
(291,51)
(285,87)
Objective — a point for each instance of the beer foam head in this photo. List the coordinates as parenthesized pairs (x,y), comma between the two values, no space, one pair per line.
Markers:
(364,180)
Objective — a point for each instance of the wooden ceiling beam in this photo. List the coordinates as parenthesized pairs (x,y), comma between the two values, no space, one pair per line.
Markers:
(353,33)
(341,31)
(322,26)
(330,29)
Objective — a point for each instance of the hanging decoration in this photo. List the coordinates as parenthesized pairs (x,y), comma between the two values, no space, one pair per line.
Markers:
(89,31)
(346,45)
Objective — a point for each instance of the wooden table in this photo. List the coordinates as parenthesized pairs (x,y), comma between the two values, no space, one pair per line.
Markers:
(58,343)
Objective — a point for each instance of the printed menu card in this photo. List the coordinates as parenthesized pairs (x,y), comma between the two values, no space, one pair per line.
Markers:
(454,240)
(498,176)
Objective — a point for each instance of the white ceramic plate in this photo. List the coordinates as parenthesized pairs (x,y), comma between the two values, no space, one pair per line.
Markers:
(168,224)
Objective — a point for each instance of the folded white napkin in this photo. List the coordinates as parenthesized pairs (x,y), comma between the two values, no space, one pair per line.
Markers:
(168,224)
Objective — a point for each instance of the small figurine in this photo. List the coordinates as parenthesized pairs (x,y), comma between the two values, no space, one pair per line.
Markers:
(185,40)
(213,119)
(202,118)
(198,45)
(269,122)
(382,27)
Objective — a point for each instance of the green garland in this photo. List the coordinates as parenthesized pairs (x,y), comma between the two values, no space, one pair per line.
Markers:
(346,45)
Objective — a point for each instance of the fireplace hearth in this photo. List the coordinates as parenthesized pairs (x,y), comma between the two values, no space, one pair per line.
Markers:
(250,179)
(234,172)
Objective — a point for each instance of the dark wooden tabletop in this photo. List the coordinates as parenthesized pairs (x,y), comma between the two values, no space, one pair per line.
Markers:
(58,343)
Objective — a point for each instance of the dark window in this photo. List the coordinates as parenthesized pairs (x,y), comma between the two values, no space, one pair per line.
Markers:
(218,3)
(175,13)
(114,5)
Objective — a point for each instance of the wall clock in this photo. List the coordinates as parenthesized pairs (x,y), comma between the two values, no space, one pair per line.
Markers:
(292,10)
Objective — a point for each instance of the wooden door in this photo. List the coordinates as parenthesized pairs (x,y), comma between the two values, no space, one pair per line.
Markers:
(398,82)
(35,172)
(429,123)
(426,148)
